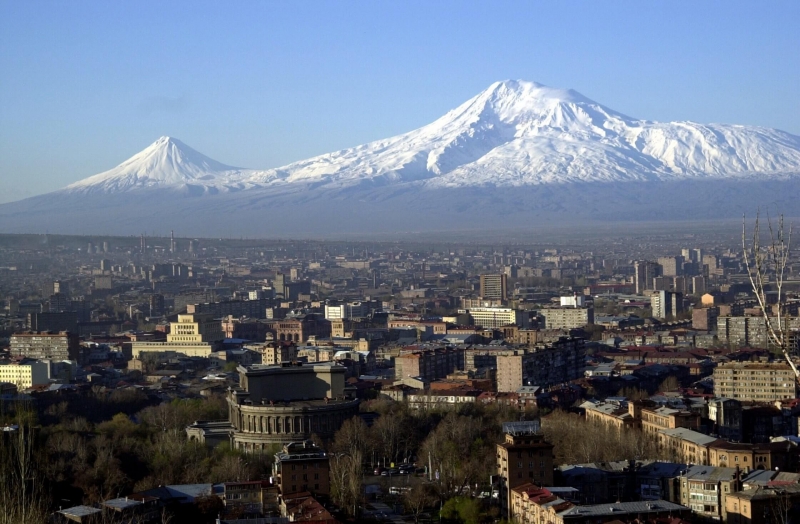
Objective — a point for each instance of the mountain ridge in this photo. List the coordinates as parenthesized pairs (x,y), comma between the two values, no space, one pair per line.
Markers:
(516,152)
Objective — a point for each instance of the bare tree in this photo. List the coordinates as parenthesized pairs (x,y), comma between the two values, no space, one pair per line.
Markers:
(763,262)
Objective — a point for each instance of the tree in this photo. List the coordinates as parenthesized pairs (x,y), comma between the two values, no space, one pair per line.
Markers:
(22,494)
(418,498)
(764,262)
(347,477)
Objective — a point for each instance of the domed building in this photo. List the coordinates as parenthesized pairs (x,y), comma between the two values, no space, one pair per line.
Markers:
(280,404)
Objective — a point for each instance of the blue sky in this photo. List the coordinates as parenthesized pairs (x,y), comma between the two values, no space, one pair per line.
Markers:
(84,85)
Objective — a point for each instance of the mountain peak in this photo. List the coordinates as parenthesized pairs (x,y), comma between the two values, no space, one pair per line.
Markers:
(167,162)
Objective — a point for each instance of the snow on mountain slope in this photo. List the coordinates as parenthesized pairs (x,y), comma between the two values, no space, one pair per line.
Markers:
(166,163)
(523,133)
(513,134)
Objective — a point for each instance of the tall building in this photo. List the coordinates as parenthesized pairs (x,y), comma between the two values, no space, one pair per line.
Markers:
(671,266)
(644,273)
(755,381)
(523,457)
(56,346)
(543,365)
(494,286)
(666,304)
(740,331)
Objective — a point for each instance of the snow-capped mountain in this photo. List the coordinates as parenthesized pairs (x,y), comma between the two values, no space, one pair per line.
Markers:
(167,163)
(534,152)
(522,133)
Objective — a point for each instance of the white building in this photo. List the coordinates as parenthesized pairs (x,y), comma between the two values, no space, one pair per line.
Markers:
(573,301)
(495,317)
(349,310)
(25,375)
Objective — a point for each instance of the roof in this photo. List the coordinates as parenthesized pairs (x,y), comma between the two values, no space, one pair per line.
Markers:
(622,508)
(689,435)
(710,473)
(80,511)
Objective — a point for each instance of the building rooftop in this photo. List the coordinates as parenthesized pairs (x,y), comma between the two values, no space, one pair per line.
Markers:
(689,435)
(622,508)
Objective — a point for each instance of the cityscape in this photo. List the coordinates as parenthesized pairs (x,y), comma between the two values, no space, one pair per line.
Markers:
(240,380)
(487,263)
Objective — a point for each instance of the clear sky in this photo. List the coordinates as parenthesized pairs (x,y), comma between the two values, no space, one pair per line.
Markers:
(86,84)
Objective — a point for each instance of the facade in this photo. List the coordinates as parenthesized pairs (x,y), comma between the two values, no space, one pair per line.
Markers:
(26,374)
(763,504)
(523,457)
(755,381)
(644,273)
(671,266)
(740,331)
(666,304)
(497,317)
(568,317)
(428,364)
(349,310)
(494,286)
(237,308)
(543,365)
(41,345)
(302,467)
(193,335)
(705,319)
(704,489)
(287,403)
(299,329)
(686,445)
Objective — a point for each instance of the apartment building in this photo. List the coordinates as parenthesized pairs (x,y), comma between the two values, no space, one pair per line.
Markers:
(428,364)
(542,365)
(567,317)
(302,466)
(25,374)
(755,381)
(494,286)
(740,331)
(666,304)
(704,490)
(40,345)
(523,457)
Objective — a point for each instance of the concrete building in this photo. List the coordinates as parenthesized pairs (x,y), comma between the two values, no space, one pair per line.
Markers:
(193,335)
(25,374)
(644,273)
(705,318)
(666,304)
(567,317)
(755,381)
(41,345)
(494,286)
(523,457)
(428,364)
(542,365)
(704,490)
(299,329)
(301,467)
(740,331)
(349,310)
(671,266)
(496,317)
